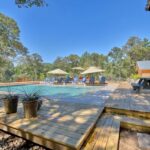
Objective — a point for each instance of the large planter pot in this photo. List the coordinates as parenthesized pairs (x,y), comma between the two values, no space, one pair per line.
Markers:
(10,105)
(30,108)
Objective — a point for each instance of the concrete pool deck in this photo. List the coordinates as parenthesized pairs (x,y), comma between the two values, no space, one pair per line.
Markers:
(62,125)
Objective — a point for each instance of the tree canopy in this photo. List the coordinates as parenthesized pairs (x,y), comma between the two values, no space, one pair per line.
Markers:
(120,62)
(30,3)
(10,45)
(148,5)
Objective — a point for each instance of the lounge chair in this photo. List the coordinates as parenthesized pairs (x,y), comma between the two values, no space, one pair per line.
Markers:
(67,80)
(102,80)
(84,80)
(137,86)
(75,80)
(92,80)
(59,80)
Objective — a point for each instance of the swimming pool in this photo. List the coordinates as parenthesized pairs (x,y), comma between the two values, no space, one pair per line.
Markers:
(80,94)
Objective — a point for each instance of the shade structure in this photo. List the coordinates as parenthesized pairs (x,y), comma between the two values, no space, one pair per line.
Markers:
(58,72)
(91,70)
(78,68)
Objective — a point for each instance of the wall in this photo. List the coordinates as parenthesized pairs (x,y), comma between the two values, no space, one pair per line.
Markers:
(144,73)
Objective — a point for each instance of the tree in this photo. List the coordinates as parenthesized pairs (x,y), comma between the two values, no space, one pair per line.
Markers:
(73,60)
(30,66)
(30,3)
(10,45)
(148,5)
(85,60)
(115,57)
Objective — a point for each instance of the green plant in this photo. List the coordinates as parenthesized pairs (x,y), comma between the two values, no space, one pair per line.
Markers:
(31,102)
(135,76)
(31,96)
(10,101)
(10,95)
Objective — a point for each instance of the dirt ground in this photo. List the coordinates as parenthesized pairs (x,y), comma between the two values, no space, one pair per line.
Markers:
(131,140)
(11,142)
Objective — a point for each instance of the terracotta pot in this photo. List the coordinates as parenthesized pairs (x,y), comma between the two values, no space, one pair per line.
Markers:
(10,105)
(30,108)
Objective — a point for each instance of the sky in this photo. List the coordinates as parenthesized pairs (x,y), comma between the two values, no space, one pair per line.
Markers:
(75,26)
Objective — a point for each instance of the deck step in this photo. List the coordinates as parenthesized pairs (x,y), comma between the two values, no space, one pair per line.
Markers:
(133,123)
(105,135)
(138,111)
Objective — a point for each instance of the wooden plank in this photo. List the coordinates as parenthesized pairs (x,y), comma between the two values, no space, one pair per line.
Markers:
(127,112)
(113,140)
(135,127)
(39,140)
(67,125)
(103,137)
(90,142)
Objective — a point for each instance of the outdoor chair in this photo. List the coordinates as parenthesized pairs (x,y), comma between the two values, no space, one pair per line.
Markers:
(92,80)
(67,80)
(143,83)
(102,80)
(59,80)
(75,80)
(84,80)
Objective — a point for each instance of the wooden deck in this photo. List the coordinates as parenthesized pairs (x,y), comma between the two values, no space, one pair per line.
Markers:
(58,125)
(105,136)
(125,99)
(66,126)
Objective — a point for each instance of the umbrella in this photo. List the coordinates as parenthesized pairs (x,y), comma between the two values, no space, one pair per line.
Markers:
(78,68)
(91,70)
(58,72)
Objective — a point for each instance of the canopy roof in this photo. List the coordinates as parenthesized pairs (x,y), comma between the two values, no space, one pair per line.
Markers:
(91,70)
(58,72)
(144,65)
(78,68)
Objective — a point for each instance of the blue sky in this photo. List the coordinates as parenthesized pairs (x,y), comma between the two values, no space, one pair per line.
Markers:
(75,26)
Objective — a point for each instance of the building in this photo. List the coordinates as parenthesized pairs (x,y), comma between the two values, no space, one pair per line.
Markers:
(143,68)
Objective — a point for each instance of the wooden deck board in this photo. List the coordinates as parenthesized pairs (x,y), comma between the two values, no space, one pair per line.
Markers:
(105,136)
(61,124)
(105,128)
(66,126)
(112,143)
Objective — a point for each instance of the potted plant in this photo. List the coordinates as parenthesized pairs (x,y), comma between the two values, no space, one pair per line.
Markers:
(10,101)
(31,104)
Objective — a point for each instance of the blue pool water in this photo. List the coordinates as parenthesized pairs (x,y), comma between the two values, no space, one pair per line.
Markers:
(66,91)
(87,94)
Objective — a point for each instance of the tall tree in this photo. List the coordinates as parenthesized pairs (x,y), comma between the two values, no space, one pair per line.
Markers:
(10,45)
(30,66)
(73,60)
(30,3)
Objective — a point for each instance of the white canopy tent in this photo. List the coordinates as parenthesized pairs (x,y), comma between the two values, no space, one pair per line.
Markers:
(92,70)
(58,72)
(78,68)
